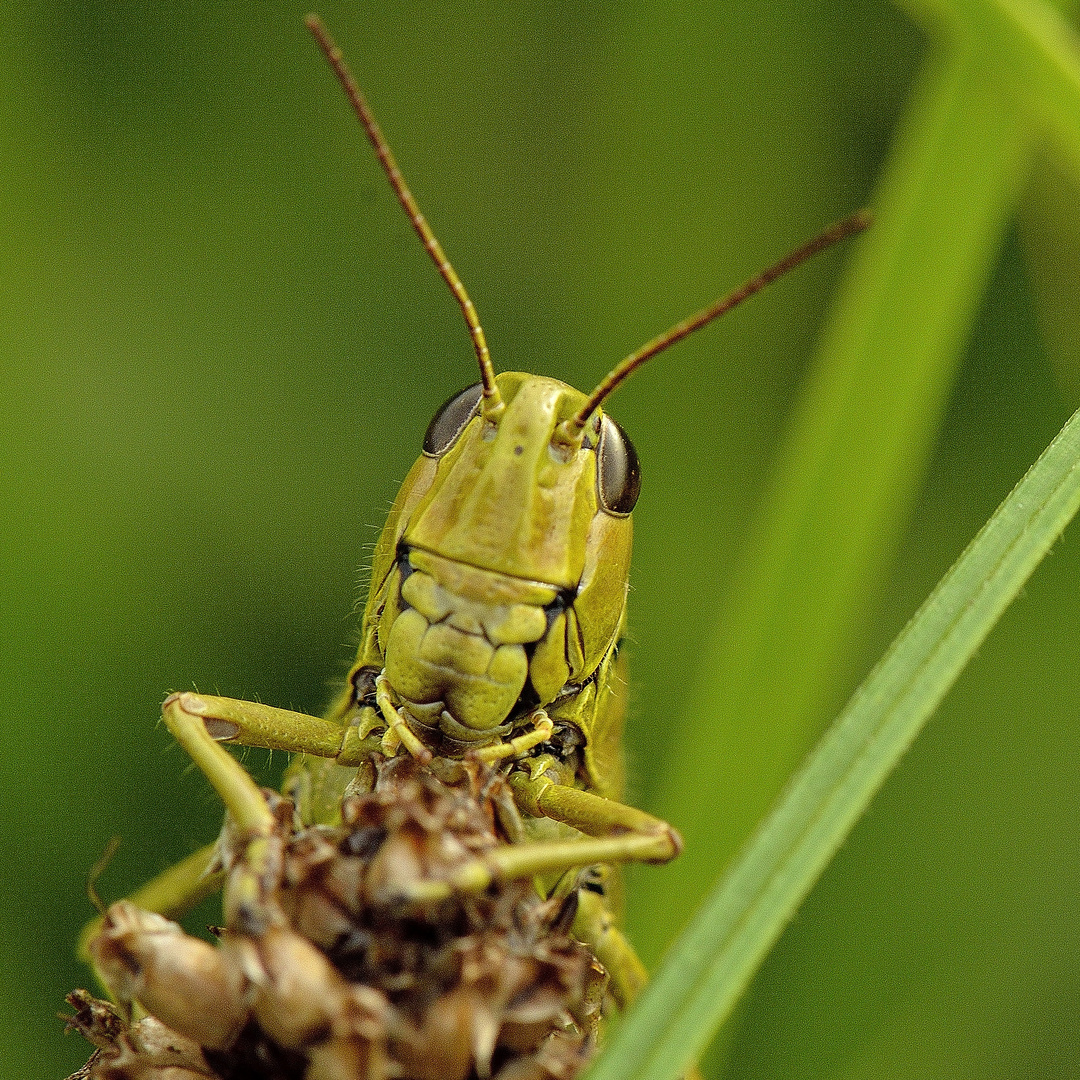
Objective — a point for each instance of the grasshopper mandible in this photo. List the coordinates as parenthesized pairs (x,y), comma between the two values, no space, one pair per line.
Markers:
(492,628)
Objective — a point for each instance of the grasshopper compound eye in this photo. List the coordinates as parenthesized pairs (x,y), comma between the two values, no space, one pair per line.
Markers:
(450,419)
(618,471)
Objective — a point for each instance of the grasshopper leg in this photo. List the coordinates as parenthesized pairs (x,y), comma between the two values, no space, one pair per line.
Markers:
(613,831)
(595,925)
(245,803)
(198,724)
(250,723)
(645,838)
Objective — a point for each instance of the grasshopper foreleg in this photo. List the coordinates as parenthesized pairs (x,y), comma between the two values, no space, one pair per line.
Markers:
(645,838)
(250,723)
(184,884)
(613,832)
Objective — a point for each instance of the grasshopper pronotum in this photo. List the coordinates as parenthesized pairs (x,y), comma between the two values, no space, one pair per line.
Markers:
(491,634)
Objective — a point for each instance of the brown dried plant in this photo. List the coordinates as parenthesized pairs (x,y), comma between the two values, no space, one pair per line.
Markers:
(331,975)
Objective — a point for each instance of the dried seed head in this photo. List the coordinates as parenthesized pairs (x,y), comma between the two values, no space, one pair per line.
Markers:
(325,973)
(186,983)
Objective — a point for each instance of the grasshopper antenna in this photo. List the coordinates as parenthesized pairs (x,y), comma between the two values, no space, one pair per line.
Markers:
(492,401)
(832,235)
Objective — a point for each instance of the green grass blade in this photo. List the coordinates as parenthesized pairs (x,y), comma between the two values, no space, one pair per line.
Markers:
(1034,53)
(713,961)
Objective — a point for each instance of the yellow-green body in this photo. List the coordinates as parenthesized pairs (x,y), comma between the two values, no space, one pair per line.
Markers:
(498,588)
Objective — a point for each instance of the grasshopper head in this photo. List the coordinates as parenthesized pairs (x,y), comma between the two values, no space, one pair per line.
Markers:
(516,496)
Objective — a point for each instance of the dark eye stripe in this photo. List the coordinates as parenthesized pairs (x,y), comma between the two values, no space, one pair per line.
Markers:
(618,471)
(450,419)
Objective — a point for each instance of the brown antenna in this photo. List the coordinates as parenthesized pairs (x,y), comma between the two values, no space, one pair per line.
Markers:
(492,403)
(834,233)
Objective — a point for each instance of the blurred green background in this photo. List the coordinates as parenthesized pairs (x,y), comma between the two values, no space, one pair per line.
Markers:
(221,344)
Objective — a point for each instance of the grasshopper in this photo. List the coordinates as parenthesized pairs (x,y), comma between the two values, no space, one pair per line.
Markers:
(491,632)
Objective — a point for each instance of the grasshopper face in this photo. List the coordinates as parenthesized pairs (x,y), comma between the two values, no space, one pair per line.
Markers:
(499,583)
(508,497)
